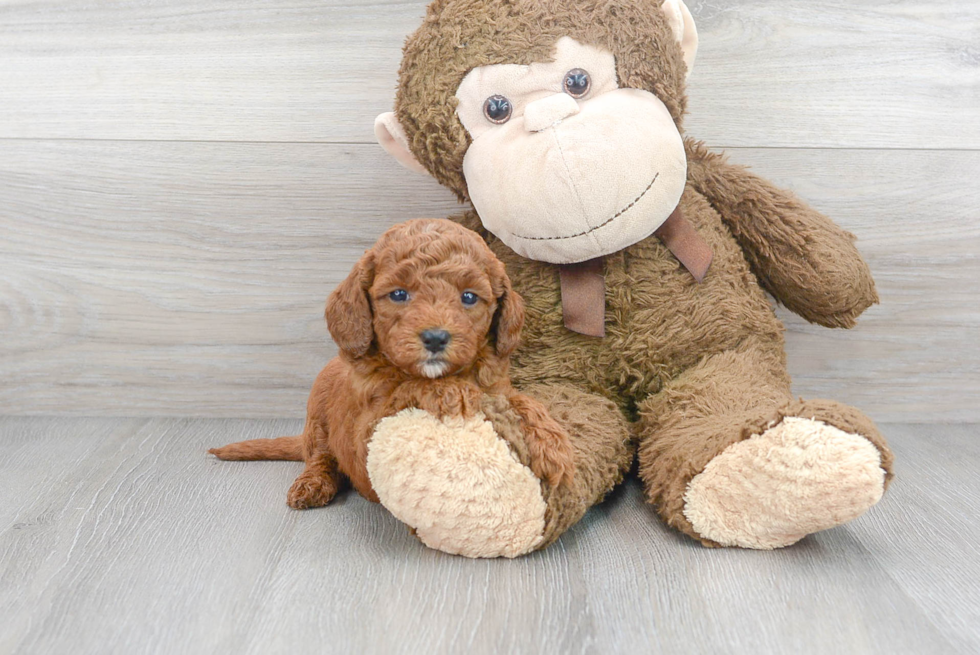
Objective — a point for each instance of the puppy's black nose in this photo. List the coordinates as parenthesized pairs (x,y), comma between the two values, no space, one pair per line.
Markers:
(435,340)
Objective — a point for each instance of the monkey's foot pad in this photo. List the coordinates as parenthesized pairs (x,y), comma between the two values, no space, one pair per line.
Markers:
(772,489)
(457,484)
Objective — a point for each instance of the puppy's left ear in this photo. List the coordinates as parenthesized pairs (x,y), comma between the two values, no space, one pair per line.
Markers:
(348,312)
(509,319)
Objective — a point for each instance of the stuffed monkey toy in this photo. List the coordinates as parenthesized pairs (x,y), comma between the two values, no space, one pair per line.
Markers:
(643,259)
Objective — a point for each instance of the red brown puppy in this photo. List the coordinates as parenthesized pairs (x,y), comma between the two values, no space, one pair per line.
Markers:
(427,319)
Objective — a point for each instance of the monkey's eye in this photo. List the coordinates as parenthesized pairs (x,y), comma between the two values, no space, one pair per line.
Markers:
(469,298)
(398,295)
(497,109)
(577,83)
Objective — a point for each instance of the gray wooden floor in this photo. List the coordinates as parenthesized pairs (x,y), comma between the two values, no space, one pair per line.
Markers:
(122,536)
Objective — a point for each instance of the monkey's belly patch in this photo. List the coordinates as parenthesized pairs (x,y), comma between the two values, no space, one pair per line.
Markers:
(457,484)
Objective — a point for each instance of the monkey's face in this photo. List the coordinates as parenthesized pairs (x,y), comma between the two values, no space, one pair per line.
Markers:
(558,119)
(564,165)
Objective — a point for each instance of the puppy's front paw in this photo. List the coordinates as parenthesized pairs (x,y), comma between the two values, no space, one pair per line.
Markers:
(309,491)
(451,400)
(552,459)
(442,398)
(548,445)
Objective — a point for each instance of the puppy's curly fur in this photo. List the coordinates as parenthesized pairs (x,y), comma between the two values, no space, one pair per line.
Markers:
(420,277)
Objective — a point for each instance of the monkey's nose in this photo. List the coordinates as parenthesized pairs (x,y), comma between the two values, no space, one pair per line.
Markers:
(542,114)
(435,340)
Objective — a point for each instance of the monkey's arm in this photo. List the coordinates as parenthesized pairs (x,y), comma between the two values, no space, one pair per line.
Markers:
(800,256)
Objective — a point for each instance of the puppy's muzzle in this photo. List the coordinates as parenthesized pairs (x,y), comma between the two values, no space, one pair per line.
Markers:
(435,341)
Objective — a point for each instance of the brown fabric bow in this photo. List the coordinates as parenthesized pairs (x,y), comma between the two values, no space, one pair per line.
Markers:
(583,286)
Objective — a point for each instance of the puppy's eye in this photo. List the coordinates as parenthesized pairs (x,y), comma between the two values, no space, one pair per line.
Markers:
(577,83)
(469,298)
(497,109)
(398,295)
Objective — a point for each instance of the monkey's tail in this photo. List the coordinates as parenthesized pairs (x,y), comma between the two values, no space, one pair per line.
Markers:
(288,448)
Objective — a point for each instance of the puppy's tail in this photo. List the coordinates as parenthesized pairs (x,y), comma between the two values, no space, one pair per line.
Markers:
(288,448)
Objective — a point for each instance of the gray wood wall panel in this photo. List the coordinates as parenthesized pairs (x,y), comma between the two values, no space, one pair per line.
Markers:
(183,182)
(200,69)
(874,73)
(182,278)
(880,73)
(189,278)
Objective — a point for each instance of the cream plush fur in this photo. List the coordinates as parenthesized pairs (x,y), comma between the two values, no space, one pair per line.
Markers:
(773,489)
(564,173)
(457,483)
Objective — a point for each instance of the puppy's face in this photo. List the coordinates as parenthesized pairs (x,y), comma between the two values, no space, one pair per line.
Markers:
(432,316)
(429,297)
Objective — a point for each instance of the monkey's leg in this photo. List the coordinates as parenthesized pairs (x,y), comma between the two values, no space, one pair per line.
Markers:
(321,479)
(601,444)
(466,486)
(730,458)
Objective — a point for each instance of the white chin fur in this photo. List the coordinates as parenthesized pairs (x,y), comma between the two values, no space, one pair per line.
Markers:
(434,369)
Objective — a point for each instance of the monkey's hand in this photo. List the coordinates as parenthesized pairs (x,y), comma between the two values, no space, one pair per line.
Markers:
(800,256)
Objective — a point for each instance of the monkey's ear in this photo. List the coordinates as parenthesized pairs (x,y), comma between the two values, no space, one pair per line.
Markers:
(682,23)
(348,310)
(389,133)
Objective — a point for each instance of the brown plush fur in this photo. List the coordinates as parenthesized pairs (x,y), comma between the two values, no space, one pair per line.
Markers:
(601,444)
(803,259)
(698,366)
(380,370)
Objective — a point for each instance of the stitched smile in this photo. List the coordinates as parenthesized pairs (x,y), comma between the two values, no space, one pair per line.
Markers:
(603,224)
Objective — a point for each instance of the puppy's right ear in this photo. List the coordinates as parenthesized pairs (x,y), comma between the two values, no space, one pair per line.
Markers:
(348,310)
